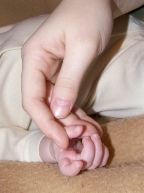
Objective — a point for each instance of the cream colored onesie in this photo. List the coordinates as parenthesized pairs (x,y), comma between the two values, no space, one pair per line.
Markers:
(113,85)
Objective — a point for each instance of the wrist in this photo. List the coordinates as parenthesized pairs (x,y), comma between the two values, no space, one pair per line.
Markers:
(47,150)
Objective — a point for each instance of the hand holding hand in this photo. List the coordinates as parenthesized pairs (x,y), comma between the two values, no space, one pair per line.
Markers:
(85,150)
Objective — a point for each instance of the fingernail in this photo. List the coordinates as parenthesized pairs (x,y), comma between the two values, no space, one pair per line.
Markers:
(60,108)
(96,136)
(78,128)
(78,165)
(87,138)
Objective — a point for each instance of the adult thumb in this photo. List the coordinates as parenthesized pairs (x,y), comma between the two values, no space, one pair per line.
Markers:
(69,80)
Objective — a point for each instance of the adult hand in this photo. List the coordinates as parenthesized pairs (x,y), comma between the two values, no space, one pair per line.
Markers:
(60,52)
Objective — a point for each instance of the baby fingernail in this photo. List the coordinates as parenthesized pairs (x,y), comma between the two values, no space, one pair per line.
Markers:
(87,138)
(60,108)
(78,165)
(96,136)
(78,128)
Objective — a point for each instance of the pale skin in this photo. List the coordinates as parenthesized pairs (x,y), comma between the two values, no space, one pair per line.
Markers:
(60,52)
(87,153)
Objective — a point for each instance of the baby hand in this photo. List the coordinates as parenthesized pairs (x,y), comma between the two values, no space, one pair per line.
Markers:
(88,154)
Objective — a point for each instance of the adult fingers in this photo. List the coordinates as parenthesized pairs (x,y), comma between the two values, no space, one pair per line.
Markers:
(78,57)
(34,92)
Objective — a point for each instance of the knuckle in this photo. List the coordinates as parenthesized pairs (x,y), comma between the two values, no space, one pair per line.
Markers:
(91,42)
(67,85)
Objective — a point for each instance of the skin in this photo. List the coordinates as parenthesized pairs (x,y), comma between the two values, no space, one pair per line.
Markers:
(88,154)
(60,52)
(85,149)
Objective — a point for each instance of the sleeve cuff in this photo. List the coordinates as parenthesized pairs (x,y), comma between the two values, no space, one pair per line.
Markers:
(31,153)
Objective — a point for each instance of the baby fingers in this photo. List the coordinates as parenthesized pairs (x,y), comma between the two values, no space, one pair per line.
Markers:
(94,154)
(68,166)
(98,152)
(87,153)
(105,156)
